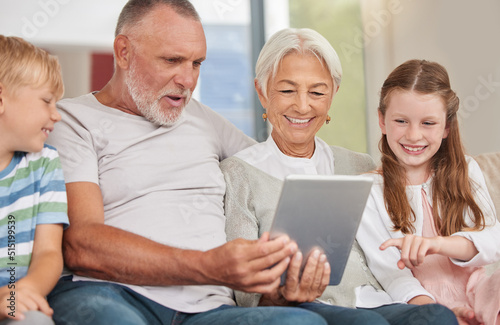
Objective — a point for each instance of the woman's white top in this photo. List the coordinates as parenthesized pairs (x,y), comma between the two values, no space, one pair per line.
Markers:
(268,157)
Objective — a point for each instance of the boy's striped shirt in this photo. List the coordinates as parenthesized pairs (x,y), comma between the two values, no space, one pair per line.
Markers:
(32,192)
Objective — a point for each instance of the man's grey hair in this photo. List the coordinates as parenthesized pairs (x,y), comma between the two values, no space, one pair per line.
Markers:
(135,10)
(300,41)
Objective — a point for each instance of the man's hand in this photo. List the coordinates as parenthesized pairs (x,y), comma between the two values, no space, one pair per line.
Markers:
(413,249)
(302,288)
(249,265)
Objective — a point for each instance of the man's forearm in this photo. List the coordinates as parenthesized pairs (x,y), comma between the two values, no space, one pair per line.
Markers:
(109,253)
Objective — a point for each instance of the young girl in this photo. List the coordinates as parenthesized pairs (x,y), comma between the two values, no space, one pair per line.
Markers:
(430,226)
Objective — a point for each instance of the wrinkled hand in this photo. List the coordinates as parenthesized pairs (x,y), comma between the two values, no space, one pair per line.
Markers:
(26,299)
(250,265)
(302,288)
(413,249)
(465,316)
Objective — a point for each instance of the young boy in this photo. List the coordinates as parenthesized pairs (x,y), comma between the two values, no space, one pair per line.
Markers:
(33,208)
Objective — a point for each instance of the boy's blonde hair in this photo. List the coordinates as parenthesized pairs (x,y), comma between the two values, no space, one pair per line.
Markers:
(23,64)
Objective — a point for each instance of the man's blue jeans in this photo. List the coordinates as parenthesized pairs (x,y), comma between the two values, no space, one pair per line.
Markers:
(84,302)
(80,303)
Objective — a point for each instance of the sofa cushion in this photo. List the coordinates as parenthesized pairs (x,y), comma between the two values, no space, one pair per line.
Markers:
(490,165)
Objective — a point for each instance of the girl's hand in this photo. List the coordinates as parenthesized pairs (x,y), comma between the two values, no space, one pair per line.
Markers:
(414,249)
(465,316)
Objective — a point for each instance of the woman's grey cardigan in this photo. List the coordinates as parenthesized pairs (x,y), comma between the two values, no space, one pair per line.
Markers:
(251,199)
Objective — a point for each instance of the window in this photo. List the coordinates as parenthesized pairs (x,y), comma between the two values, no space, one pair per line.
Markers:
(340,23)
(226,78)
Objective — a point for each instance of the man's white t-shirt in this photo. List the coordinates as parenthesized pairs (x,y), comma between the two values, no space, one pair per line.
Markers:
(163,183)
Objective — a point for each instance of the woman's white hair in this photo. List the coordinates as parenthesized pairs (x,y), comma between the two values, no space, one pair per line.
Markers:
(301,41)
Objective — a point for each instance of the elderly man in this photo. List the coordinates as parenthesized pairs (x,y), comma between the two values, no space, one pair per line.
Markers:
(146,243)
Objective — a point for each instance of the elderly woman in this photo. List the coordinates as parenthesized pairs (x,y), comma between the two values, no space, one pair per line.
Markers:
(297,75)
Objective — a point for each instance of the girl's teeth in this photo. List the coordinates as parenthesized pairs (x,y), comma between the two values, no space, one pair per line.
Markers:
(413,149)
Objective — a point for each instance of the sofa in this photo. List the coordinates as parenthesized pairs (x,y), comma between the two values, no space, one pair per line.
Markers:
(490,165)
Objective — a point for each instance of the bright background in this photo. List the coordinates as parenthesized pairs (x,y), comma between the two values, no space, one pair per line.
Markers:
(371,37)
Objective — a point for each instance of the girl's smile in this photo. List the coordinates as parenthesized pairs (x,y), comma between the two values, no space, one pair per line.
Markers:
(415,126)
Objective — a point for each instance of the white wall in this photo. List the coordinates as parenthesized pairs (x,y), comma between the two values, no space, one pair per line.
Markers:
(61,23)
(73,29)
(461,35)
(70,29)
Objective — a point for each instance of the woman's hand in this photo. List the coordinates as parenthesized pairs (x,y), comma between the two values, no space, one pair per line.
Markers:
(413,249)
(302,288)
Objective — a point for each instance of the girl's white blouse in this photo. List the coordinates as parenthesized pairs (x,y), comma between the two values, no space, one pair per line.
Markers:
(376,227)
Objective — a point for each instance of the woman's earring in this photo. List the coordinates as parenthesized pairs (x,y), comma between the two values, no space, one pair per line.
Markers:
(328,119)
(264,116)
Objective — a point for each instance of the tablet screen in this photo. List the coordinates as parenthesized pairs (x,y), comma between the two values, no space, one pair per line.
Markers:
(322,211)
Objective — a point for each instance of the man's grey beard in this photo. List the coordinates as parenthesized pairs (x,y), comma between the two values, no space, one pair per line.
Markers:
(149,104)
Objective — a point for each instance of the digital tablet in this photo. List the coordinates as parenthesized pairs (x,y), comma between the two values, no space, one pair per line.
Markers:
(322,211)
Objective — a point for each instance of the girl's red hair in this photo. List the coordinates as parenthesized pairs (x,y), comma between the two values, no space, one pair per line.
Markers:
(452,190)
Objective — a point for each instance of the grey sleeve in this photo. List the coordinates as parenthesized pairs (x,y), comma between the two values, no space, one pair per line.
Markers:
(241,221)
(76,149)
(249,204)
(231,139)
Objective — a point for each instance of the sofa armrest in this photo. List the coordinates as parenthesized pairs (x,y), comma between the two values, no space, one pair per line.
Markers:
(490,166)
